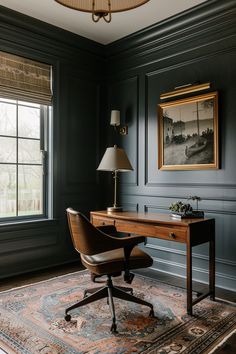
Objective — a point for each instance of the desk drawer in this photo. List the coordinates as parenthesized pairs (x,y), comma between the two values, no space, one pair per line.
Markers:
(176,234)
(97,221)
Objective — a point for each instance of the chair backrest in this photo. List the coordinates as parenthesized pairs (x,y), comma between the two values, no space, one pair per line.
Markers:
(86,238)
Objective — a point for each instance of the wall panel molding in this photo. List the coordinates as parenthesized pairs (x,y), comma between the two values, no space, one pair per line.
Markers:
(183,253)
(223,280)
(212,17)
(13,23)
(156,76)
(192,185)
(130,206)
(27,243)
(201,206)
(181,195)
(194,60)
(197,45)
(79,123)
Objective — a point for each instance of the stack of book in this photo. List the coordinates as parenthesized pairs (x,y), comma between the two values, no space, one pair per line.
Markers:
(189,214)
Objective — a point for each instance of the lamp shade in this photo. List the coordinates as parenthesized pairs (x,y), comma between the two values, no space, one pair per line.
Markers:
(115,159)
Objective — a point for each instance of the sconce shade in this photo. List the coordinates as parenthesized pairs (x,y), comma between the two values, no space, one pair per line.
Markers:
(115,118)
(115,159)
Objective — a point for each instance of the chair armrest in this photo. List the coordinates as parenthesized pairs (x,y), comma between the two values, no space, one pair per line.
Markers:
(109,242)
(127,243)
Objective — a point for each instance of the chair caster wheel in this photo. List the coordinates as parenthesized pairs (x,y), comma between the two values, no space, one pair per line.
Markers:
(68,318)
(113,328)
(151,313)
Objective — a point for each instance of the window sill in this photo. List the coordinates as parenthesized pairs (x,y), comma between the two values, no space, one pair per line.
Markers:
(27,224)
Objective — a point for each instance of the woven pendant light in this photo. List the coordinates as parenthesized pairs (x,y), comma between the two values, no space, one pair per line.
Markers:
(102,8)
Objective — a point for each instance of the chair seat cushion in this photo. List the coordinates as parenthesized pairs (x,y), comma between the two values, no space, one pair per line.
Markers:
(113,261)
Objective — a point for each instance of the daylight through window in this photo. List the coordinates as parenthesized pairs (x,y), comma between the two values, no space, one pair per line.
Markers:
(25,137)
(22,158)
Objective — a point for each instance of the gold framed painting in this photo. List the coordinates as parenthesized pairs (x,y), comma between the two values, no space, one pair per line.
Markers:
(188,133)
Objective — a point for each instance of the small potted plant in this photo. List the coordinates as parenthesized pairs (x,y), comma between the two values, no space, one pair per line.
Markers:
(197,213)
(181,210)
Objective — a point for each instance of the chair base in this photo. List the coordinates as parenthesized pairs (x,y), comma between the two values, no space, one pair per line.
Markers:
(94,290)
(109,291)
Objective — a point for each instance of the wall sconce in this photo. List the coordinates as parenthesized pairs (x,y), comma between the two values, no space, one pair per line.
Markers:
(115,121)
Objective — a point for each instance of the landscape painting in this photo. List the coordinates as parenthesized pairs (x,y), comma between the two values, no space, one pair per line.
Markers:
(188,133)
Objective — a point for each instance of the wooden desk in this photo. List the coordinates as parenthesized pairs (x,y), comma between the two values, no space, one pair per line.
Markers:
(192,232)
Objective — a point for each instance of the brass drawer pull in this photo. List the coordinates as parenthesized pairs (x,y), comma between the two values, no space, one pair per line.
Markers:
(172,235)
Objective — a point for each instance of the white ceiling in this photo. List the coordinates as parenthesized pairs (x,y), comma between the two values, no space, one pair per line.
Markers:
(122,24)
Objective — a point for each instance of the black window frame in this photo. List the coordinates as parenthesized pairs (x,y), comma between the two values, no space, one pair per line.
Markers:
(45,116)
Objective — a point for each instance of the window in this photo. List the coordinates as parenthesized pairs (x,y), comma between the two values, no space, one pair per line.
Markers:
(23,145)
(25,137)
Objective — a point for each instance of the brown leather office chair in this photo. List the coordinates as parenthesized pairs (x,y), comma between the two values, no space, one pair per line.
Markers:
(104,254)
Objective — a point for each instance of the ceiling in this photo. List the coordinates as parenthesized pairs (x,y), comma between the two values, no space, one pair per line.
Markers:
(122,24)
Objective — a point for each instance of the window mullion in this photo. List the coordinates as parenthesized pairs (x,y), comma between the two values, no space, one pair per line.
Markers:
(17,160)
(43,147)
(29,195)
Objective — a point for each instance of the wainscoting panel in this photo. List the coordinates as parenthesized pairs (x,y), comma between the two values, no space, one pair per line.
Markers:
(170,257)
(80,119)
(199,46)
(77,66)
(204,71)
(90,80)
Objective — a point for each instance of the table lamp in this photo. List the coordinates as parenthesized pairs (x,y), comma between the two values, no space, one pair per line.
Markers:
(115,160)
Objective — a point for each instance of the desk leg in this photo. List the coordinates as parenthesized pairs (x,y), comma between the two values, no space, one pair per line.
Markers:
(212,264)
(189,280)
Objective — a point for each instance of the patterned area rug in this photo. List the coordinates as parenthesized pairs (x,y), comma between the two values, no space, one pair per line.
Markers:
(32,320)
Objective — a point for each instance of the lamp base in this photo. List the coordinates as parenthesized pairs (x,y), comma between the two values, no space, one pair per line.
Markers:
(114,209)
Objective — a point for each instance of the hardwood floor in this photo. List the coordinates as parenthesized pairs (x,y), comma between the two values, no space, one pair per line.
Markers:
(40,275)
(229,347)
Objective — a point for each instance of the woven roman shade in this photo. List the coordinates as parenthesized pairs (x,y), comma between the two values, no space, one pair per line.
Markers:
(24,79)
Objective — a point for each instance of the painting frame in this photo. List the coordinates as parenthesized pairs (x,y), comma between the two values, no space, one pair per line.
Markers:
(198,147)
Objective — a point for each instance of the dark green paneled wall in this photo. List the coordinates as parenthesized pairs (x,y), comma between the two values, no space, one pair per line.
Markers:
(199,45)
(129,74)
(77,64)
